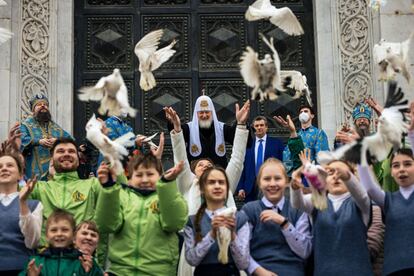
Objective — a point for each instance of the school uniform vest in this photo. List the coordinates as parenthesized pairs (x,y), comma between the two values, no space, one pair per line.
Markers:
(340,241)
(13,251)
(205,224)
(399,231)
(268,246)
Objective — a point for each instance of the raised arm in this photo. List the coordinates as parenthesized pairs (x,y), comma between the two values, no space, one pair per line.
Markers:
(186,177)
(235,167)
(371,185)
(109,220)
(173,207)
(297,199)
(30,223)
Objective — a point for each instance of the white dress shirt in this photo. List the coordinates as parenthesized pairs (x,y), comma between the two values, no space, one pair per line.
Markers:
(256,147)
(30,224)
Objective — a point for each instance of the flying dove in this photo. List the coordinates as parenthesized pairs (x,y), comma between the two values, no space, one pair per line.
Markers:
(150,58)
(262,75)
(282,18)
(113,94)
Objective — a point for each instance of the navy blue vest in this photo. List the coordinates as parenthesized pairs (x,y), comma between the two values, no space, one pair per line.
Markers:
(13,251)
(399,232)
(211,256)
(340,241)
(268,245)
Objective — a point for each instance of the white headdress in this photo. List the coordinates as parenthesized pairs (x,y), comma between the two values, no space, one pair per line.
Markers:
(204,103)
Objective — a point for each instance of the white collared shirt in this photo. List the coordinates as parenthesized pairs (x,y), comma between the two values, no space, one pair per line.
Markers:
(256,147)
(7,199)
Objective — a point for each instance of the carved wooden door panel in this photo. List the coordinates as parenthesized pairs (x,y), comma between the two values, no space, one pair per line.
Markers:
(211,36)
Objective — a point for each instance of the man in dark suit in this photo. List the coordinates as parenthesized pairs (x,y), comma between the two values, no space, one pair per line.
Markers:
(262,148)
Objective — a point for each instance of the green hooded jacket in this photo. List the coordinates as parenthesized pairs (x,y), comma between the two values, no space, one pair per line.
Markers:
(144,228)
(57,262)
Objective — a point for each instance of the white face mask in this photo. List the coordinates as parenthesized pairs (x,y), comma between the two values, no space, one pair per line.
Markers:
(303,117)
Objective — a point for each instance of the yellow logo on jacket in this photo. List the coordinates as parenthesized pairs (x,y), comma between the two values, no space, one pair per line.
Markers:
(154,207)
(78,196)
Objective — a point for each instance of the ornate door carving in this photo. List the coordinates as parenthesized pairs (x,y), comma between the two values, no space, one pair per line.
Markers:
(211,36)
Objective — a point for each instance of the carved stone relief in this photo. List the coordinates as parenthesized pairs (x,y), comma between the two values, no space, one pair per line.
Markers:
(354,46)
(35,51)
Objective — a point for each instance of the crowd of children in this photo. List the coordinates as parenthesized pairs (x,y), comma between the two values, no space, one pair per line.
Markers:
(137,222)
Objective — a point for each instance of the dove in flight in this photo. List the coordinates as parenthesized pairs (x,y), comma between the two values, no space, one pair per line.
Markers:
(3,3)
(282,18)
(113,94)
(114,151)
(298,82)
(151,58)
(392,58)
(262,75)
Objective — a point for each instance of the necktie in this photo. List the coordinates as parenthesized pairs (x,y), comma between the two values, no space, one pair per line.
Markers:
(259,159)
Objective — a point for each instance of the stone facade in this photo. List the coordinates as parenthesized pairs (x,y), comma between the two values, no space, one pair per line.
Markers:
(40,56)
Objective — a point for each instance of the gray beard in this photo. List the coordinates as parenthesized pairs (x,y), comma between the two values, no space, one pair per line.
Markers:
(362,131)
(205,124)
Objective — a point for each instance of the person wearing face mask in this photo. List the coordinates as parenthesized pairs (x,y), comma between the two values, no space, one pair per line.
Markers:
(313,138)
(39,132)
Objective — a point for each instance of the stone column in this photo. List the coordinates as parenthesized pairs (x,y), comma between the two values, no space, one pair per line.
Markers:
(40,60)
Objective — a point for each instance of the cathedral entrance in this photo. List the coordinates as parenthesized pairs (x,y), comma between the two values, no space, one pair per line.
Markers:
(211,36)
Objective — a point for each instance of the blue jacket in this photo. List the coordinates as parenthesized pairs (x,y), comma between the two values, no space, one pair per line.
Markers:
(274,148)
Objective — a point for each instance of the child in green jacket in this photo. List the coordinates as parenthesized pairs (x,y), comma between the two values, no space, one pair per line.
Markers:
(60,257)
(144,217)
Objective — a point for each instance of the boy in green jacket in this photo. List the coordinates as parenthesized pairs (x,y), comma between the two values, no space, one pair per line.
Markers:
(144,217)
(60,257)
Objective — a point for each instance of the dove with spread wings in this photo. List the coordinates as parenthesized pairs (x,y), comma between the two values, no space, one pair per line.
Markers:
(376,147)
(151,58)
(298,82)
(282,18)
(392,58)
(113,94)
(113,151)
(262,75)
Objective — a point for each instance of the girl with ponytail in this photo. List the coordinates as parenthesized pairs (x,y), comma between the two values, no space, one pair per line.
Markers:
(204,233)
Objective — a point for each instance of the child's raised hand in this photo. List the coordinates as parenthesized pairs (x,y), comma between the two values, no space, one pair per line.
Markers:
(304,156)
(86,262)
(27,189)
(33,269)
(104,172)
(172,173)
(157,152)
(411,125)
(296,181)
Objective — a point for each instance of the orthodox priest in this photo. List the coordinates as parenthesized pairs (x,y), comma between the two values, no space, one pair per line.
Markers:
(205,135)
(39,133)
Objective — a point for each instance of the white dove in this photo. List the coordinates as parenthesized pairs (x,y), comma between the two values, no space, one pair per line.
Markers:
(282,18)
(150,58)
(295,80)
(149,141)
(3,3)
(224,235)
(5,35)
(113,151)
(376,147)
(263,75)
(113,94)
(392,58)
